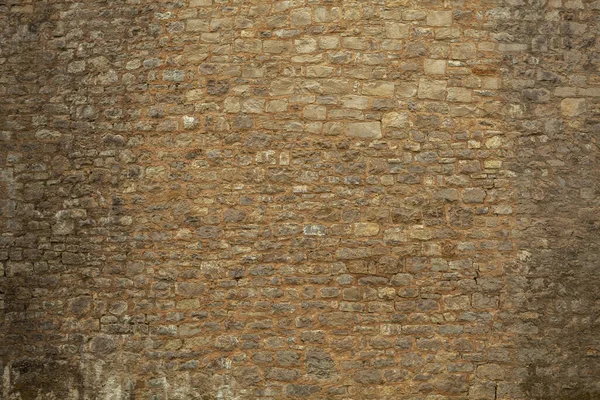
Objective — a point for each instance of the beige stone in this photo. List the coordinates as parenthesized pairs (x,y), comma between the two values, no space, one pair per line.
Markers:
(396,30)
(253,106)
(232,105)
(406,89)
(318,71)
(463,51)
(363,229)
(315,112)
(329,42)
(280,87)
(354,43)
(305,45)
(459,94)
(572,107)
(439,18)
(365,130)
(378,89)
(394,120)
(435,67)
(197,25)
(276,46)
(300,17)
(434,90)
(357,102)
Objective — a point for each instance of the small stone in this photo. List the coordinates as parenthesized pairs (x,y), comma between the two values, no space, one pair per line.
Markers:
(354,43)
(356,102)
(282,374)
(539,95)
(469,166)
(253,106)
(76,67)
(287,358)
(194,95)
(473,195)
(232,215)
(314,112)
(300,17)
(364,229)
(490,372)
(463,51)
(368,376)
(572,107)
(173,75)
(301,390)
(394,235)
(420,233)
(406,90)
(190,122)
(365,130)
(459,94)
(102,344)
(494,142)
(305,45)
(315,230)
(378,89)
(352,254)
(439,18)
(434,90)
(65,227)
(435,67)
(318,71)
(394,120)
(246,376)
(396,30)
(502,209)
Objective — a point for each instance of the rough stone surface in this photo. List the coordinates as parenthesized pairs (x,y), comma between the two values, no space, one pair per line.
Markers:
(349,200)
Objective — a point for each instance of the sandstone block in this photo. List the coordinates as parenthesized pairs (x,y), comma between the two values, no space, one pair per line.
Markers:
(439,18)
(435,67)
(572,107)
(433,90)
(363,229)
(365,130)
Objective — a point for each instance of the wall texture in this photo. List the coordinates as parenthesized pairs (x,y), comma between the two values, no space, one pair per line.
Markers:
(323,199)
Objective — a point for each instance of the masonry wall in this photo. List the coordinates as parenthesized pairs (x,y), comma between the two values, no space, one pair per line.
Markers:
(300,199)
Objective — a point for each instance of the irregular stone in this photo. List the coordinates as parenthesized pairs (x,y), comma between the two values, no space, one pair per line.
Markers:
(434,90)
(439,18)
(364,130)
(473,195)
(572,107)
(363,229)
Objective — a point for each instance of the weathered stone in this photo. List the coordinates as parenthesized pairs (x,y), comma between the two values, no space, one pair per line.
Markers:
(434,90)
(301,390)
(394,120)
(396,30)
(364,130)
(463,51)
(473,195)
(370,377)
(378,89)
(319,364)
(435,67)
(439,18)
(572,107)
(362,229)
(246,376)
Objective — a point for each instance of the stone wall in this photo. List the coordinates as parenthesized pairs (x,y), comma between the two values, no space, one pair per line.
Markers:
(324,199)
